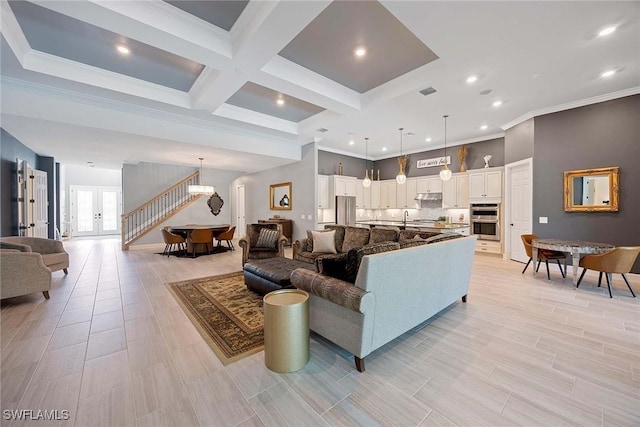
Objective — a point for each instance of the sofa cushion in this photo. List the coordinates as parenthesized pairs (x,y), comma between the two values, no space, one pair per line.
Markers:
(443,236)
(355,237)
(410,234)
(412,243)
(332,265)
(354,257)
(340,229)
(267,238)
(324,242)
(378,235)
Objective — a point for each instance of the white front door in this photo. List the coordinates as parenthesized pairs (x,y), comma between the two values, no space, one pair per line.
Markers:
(240,211)
(519,206)
(95,211)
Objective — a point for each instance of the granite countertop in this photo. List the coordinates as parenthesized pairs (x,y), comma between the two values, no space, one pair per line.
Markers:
(414,223)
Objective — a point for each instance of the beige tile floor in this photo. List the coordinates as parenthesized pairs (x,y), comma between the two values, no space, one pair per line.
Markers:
(113,348)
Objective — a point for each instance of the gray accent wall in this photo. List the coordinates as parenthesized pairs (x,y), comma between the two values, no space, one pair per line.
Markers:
(328,164)
(594,136)
(519,142)
(475,152)
(10,150)
(302,176)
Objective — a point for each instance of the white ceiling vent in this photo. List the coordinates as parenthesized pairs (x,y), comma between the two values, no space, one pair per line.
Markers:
(323,130)
(428,91)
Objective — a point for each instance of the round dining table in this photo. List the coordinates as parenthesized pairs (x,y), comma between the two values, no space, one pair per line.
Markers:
(188,228)
(576,248)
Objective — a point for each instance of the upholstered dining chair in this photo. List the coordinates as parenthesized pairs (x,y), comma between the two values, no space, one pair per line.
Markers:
(201,237)
(619,260)
(227,236)
(543,255)
(171,240)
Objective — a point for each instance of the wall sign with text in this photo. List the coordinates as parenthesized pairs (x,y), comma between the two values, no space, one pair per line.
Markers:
(436,161)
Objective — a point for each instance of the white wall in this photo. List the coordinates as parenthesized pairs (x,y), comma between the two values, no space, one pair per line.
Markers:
(144,181)
(302,176)
(83,175)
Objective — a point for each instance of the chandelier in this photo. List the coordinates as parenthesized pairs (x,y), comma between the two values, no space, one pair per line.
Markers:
(366,182)
(207,190)
(401,178)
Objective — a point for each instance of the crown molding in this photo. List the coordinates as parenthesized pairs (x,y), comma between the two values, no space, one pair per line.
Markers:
(263,120)
(570,105)
(13,33)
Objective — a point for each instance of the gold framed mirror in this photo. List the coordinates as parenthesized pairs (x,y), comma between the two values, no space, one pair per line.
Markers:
(591,190)
(280,196)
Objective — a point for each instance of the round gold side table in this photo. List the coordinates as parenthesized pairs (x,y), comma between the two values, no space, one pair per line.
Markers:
(286,330)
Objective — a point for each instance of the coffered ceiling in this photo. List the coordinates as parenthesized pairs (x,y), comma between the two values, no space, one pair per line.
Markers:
(204,78)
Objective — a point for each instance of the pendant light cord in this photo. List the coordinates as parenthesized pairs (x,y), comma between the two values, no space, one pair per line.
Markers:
(445,137)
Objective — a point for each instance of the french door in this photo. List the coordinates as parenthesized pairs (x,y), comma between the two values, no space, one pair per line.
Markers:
(95,211)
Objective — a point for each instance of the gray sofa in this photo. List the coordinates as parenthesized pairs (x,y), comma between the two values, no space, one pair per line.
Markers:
(52,251)
(23,273)
(393,292)
(348,237)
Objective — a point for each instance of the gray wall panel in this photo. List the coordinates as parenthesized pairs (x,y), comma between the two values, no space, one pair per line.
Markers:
(303,192)
(10,149)
(475,153)
(519,142)
(594,136)
(351,166)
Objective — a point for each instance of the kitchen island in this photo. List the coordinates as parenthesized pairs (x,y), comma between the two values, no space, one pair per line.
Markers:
(421,225)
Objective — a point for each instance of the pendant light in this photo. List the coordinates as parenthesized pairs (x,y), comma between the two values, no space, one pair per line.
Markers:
(366,182)
(401,178)
(201,189)
(445,173)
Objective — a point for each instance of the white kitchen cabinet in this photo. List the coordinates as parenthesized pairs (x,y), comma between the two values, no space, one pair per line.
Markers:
(388,194)
(406,194)
(375,195)
(455,192)
(429,185)
(489,246)
(323,192)
(344,185)
(363,196)
(485,185)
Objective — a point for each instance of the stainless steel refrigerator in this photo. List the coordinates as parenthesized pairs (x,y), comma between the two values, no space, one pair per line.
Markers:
(345,210)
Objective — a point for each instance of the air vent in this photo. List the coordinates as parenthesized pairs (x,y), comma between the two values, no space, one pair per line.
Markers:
(486,92)
(323,130)
(428,91)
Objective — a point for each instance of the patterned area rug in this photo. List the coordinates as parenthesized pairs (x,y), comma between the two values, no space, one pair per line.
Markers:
(227,315)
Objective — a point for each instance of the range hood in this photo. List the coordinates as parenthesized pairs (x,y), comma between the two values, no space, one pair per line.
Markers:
(428,196)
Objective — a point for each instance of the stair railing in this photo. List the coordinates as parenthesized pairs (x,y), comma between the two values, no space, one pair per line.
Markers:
(145,217)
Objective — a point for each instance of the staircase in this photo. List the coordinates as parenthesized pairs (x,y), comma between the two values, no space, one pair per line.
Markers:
(146,217)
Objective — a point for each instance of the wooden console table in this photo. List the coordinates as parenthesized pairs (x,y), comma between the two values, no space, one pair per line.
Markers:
(287,226)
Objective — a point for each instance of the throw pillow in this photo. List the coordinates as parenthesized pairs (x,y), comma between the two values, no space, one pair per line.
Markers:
(354,257)
(309,241)
(417,237)
(442,237)
(324,242)
(267,238)
(355,237)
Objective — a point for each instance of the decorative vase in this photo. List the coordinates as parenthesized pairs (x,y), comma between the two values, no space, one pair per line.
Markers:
(462,155)
(486,160)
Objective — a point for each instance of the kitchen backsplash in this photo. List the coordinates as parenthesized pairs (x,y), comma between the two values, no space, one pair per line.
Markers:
(456,215)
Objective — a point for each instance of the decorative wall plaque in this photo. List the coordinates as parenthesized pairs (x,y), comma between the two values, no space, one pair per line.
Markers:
(215,203)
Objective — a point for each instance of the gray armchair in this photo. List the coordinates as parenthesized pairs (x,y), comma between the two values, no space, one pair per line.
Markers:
(23,273)
(52,251)
(250,250)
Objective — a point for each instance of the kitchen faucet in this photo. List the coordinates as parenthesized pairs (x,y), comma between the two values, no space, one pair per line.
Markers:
(404,218)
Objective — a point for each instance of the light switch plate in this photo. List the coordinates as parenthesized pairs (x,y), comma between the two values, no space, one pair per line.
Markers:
(309,217)
(301,216)
(543,220)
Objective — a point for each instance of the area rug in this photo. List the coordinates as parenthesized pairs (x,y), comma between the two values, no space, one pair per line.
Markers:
(227,315)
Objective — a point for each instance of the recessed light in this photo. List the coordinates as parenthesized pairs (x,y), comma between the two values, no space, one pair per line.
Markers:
(280,101)
(352,142)
(123,49)
(360,52)
(608,73)
(606,31)
(428,139)
(484,127)
(472,79)
(497,103)
(384,148)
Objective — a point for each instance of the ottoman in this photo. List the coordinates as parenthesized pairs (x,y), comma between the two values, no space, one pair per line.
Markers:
(271,274)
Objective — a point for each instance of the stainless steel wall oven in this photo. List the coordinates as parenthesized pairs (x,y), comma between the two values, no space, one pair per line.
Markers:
(485,221)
